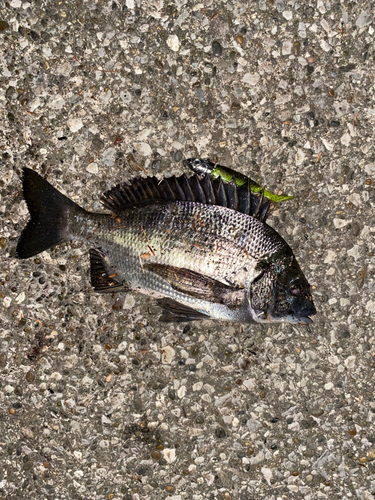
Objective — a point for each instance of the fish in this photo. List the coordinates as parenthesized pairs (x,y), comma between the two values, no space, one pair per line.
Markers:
(200,246)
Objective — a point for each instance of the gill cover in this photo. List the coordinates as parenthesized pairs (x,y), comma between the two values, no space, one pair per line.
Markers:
(281,294)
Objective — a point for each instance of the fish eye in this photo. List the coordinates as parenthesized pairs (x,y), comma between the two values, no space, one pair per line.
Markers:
(296,289)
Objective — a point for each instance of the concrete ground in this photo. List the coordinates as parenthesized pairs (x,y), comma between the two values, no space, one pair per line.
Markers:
(93,93)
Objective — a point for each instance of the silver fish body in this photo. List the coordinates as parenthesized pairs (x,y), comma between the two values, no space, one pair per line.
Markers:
(209,260)
(210,240)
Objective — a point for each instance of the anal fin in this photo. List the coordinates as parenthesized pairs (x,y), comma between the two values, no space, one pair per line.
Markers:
(103,277)
(174,311)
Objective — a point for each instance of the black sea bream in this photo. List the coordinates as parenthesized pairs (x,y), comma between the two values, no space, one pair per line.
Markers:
(200,246)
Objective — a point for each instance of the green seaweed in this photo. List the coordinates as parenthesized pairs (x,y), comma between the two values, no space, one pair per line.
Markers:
(228,174)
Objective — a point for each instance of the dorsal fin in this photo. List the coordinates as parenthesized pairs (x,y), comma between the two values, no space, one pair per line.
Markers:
(232,195)
(176,188)
(195,189)
(206,184)
(186,187)
(220,194)
(244,198)
(259,204)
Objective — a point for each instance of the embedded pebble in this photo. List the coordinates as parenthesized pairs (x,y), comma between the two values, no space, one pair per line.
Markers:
(363,20)
(181,391)
(355,198)
(56,102)
(340,223)
(325,46)
(288,14)
(144,149)
(217,49)
(267,473)
(168,353)
(97,142)
(75,124)
(345,139)
(350,362)
(286,48)
(173,42)
(178,156)
(30,376)
(92,168)
(109,156)
(3,359)
(251,79)
(169,454)
(300,157)
(7,301)
(20,298)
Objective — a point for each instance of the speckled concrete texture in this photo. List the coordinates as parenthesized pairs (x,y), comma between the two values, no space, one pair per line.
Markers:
(97,398)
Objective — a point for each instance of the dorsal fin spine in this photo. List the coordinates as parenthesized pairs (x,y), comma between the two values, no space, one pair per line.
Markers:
(168,190)
(141,191)
(179,193)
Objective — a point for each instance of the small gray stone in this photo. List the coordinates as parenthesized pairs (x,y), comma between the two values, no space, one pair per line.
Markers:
(317,412)
(97,143)
(363,20)
(280,6)
(200,93)
(356,229)
(220,432)
(178,156)
(217,49)
(231,123)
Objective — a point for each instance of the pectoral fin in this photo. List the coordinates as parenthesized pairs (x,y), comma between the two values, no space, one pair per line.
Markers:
(173,311)
(192,283)
(103,277)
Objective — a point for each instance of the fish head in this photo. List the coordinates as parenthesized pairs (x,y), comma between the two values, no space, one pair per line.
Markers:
(280,293)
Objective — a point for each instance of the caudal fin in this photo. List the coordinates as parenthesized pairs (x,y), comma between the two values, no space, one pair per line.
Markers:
(50,212)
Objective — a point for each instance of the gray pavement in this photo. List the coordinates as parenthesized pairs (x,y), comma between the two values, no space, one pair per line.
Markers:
(97,398)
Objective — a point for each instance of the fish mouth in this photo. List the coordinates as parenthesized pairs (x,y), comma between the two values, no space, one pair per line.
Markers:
(290,318)
(301,317)
(305,320)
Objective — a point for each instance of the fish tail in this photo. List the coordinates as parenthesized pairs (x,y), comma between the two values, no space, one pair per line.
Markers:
(50,213)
